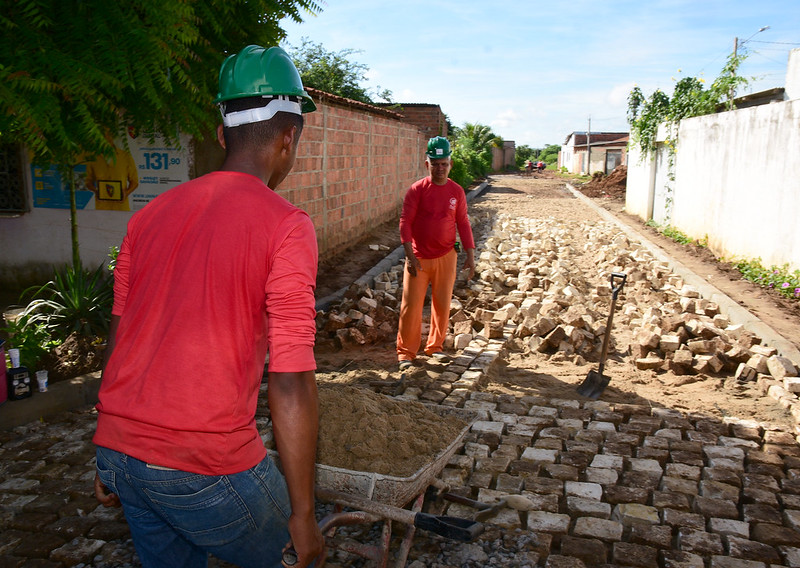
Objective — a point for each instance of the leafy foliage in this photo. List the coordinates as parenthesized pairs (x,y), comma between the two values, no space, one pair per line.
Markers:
(333,72)
(689,99)
(549,155)
(32,340)
(76,300)
(472,152)
(780,279)
(92,67)
(522,153)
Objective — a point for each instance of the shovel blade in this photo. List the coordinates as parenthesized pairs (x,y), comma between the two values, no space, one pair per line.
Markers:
(593,385)
(463,530)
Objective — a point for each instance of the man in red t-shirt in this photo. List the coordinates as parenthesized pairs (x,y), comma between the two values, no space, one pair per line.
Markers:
(433,209)
(213,276)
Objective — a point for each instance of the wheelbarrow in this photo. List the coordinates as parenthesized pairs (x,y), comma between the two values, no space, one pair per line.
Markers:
(372,498)
(596,382)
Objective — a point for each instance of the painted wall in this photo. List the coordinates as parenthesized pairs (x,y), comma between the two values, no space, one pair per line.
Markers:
(737,181)
(354,165)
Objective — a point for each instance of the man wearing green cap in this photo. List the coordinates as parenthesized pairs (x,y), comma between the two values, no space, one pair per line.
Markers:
(213,276)
(433,209)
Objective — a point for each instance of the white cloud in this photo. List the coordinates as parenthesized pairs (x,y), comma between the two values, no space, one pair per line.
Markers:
(619,93)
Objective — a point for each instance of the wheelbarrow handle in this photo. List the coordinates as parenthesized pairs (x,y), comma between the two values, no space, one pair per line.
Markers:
(464,530)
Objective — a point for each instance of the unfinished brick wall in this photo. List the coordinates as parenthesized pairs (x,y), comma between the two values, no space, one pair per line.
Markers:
(428,117)
(354,165)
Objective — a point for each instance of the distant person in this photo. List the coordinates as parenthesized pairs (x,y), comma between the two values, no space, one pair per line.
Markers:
(433,209)
(540,166)
(528,167)
(112,182)
(211,277)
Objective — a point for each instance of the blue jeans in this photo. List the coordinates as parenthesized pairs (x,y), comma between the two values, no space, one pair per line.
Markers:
(177,518)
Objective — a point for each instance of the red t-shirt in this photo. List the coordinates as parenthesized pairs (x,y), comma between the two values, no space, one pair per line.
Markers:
(431,213)
(211,276)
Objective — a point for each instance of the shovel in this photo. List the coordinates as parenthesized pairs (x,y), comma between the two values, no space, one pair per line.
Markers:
(463,530)
(596,382)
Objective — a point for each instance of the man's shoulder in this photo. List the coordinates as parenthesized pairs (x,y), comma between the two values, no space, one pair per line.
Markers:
(454,185)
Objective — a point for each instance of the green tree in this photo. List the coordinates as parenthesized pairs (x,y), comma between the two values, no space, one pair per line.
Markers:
(72,71)
(549,155)
(472,152)
(522,153)
(334,72)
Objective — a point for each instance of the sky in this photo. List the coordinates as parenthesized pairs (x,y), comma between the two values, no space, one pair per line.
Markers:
(536,72)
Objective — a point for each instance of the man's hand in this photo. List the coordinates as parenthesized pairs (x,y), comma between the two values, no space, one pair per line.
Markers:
(469,263)
(412,262)
(306,536)
(106,498)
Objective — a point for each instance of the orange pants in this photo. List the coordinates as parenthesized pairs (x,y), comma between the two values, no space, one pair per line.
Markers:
(440,273)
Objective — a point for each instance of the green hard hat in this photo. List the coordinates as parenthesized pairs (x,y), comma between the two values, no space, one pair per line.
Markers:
(257,72)
(438,147)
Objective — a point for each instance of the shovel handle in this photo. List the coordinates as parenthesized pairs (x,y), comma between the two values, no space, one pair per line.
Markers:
(617,282)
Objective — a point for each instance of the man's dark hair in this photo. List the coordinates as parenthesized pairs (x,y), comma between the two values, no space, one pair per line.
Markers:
(253,135)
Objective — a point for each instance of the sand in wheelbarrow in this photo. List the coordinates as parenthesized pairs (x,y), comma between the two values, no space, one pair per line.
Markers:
(361,430)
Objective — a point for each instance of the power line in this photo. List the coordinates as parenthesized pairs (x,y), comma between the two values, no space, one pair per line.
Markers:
(775,42)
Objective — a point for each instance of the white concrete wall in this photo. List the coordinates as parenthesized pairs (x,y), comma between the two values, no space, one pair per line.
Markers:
(737,181)
(793,75)
(34,242)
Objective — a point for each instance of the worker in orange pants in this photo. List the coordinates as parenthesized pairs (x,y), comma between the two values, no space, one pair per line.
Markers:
(440,273)
(433,209)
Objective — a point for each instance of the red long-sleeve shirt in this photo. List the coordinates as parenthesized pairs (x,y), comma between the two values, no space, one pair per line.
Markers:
(210,277)
(431,214)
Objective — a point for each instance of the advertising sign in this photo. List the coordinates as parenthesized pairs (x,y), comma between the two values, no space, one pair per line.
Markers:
(128,182)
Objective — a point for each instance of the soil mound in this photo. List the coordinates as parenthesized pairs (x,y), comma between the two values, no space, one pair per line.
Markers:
(612,185)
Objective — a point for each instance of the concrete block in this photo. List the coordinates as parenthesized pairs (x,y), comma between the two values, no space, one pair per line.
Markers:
(629,514)
(745,373)
(780,367)
(792,385)
(603,529)
(759,363)
(699,541)
(649,362)
(542,521)
(462,340)
(583,489)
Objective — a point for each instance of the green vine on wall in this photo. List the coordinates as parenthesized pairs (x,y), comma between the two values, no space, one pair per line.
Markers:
(689,98)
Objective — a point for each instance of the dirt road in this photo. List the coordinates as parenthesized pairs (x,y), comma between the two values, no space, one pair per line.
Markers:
(525,373)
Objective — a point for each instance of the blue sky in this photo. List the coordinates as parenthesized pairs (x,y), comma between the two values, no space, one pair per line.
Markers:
(536,72)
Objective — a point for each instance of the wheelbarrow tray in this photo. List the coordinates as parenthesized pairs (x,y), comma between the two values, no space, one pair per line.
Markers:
(389,489)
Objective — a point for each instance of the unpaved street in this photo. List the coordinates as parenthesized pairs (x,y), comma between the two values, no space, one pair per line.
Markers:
(576,232)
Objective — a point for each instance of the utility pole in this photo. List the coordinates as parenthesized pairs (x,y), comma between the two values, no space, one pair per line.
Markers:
(589,149)
(736,46)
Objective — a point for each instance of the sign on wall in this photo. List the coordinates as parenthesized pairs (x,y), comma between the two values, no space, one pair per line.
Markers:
(137,175)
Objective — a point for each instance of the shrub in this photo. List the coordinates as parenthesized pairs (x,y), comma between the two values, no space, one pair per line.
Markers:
(460,174)
(76,300)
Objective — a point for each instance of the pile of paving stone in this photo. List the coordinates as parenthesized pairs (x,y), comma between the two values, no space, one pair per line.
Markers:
(557,311)
(366,313)
(528,279)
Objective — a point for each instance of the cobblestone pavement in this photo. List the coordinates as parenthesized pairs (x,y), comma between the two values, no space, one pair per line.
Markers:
(607,484)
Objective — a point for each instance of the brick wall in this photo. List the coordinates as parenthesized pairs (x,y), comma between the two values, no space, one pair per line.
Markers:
(354,165)
(429,118)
